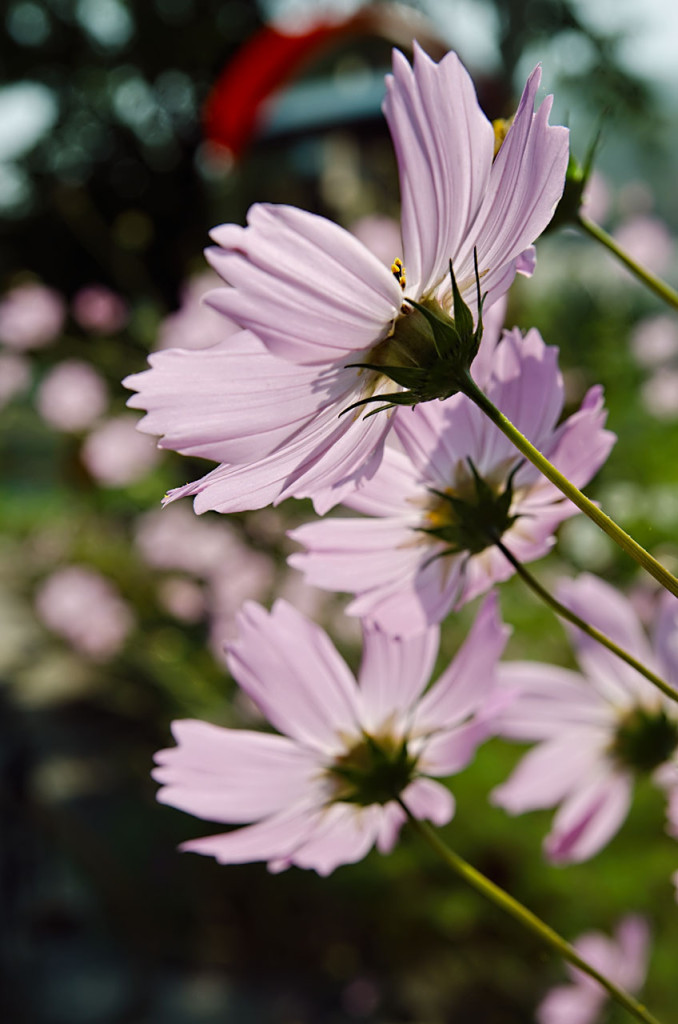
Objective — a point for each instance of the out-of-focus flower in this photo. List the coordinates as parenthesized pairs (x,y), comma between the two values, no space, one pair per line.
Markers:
(660,394)
(15,376)
(99,310)
(266,404)
(654,340)
(648,241)
(85,608)
(324,792)
(246,576)
(116,454)
(436,503)
(622,959)
(182,598)
(596,198)
(597,730)
(72,396)
(174,539)
(381,235)
(31,316)
(195,325)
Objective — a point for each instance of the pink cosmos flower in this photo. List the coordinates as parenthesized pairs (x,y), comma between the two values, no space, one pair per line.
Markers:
(426,547)
(266,404)
(597,731)
(31,316)
(98,309)
(72,396)
(116,454)
(85,608)
(194,325)
(622,959)
(323,793)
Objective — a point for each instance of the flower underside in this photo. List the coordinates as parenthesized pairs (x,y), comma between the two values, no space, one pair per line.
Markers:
(472,516)
(644,740)
(427,353)
(375,770)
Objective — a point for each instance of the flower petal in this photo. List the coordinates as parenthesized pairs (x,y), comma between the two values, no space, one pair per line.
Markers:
(466,683)
(393,673)
(589,818)
(601,605)
(310,290)
(232,775)
(290,669)
(233,402)
(273,838)
(428,799)
(548,773)
(444,145)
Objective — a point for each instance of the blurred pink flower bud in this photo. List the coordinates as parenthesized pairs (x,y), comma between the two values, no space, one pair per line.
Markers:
(660,395)
(31,316)
(98,309)
(116,454)
(72,396)
(648,241)
(15,376)
(85,608)
(195,325)
(655,340)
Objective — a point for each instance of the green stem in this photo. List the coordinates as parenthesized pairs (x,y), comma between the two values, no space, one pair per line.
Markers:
(655,284)
(595,634)
(502,899)
(619,536)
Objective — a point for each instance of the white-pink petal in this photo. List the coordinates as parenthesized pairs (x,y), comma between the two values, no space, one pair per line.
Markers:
(232,775)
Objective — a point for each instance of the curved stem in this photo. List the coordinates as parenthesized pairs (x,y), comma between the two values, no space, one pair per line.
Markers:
(655,284)
(595,634)
(619,536)
(534,924)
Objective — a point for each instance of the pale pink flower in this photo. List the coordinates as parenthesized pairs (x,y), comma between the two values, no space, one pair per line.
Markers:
(15,376)
(597,730)
(622,959)
(173,538)
(195,325)
(596,198)
(31,316)
(72,396)
(85,608)
(116,454)
(654,340)
(182,598)
(323,793)
(266,404)
(659,394)
(379,234)
(99,310)
(648,240)
(405,578)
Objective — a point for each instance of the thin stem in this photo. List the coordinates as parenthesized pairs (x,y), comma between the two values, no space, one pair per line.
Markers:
(619,536)
(534,924)
(567,613)
(654,283)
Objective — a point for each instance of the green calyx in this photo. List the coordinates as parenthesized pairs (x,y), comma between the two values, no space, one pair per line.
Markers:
(374,771)
(644,740)
(474,520)
(429,353)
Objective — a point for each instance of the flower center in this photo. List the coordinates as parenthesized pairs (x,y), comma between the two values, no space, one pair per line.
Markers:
(374,771)
(644,740)
(472,515)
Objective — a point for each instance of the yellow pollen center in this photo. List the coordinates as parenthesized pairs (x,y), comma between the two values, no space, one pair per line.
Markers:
(398,271)
(501,127)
